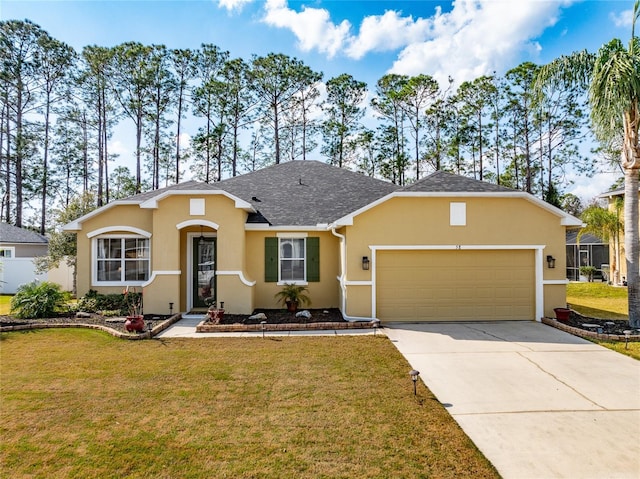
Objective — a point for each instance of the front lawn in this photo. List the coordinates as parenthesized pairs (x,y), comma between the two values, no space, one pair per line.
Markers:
(5,304)
(598,300)
(80,403)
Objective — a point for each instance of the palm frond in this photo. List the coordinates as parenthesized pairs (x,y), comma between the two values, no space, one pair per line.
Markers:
(566,71)
(615,87)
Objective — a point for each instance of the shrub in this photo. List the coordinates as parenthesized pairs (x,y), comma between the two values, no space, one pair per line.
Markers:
(94,302)
(37,300)
(588,271)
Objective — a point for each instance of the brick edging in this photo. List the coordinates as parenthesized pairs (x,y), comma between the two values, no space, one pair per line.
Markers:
(583,333)
(204,327)
(118,334)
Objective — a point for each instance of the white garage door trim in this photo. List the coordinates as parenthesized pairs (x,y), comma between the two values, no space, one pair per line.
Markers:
(538,249)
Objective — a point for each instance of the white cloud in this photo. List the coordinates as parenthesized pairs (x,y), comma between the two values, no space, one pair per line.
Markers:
(622,19)
(312,26)
(477,38)
(233,5)
(117,147)
(387,32)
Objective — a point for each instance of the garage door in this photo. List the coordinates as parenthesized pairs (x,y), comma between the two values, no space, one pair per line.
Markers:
(460,285)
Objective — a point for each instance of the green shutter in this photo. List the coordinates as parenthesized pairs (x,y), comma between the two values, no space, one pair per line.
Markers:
(271,260)
(313,259)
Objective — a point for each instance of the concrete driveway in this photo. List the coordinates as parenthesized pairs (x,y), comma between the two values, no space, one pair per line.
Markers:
(538,402)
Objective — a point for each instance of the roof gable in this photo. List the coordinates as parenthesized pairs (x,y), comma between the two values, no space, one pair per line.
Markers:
(442,184)
(305,193)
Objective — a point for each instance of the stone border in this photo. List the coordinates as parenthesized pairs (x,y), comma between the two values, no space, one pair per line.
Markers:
(583,333)
(204,327)
(118,334)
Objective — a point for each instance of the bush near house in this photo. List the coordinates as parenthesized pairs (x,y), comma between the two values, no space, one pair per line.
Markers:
(38,300)
(94,302)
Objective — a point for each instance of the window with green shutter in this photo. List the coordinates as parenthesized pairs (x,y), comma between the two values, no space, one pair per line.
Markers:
(313,259)
(271,260)
(291,260)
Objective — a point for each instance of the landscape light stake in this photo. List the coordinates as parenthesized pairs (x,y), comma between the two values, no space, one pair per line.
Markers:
(264,326)
(627,334)
(376,324)
(414,377)
(171,309)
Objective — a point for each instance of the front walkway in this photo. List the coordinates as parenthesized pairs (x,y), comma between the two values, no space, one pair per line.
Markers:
(538,402)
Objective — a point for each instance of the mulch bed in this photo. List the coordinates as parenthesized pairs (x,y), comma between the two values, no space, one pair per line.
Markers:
(607,329)
(114,323)
(282,316)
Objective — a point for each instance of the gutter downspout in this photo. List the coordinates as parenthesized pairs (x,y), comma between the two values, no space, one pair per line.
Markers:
(342,278)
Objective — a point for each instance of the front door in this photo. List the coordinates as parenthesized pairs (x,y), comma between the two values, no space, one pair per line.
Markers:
(204,271)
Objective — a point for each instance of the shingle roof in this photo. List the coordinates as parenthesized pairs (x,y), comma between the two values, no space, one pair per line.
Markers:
(187,185)
(619,192)
(441,182)
(586,238)
(305,192)
(309,193)
(13,234)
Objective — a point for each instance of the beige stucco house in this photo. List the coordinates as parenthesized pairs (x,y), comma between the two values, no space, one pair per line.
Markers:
(444,248)
(617,252)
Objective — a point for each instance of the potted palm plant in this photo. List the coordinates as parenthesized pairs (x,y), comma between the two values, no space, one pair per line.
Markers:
(293,295)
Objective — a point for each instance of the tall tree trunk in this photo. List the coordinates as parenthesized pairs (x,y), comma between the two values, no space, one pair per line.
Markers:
(138,152)
(276,133)
(99,200)
(85,153)
(632,244)
(7,199)
(19,149)
(45,165)
(480,166)
(181,92)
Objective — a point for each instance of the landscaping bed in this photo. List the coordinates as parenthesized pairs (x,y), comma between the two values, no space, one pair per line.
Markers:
(154,324)
(282,320)
(595,328)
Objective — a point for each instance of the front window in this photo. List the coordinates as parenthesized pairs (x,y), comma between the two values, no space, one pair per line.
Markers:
(292,259)
(7,252)
(122,260)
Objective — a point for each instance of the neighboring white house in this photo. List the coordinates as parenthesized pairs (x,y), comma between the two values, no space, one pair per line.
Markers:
(18,248)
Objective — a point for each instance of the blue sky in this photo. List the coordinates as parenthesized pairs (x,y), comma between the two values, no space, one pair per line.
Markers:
(366,38)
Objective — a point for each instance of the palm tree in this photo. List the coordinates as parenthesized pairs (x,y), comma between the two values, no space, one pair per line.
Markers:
(612,77)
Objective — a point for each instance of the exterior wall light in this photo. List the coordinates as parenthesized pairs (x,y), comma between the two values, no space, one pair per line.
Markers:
(551,262)
(365,263)
(414,377)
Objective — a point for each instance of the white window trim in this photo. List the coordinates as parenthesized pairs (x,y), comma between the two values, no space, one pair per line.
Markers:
(94,261)
(8,248)
(457,214)
(289,236)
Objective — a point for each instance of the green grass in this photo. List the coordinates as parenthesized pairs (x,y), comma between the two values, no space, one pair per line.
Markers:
(81,404)
(598,300)
(631,349)
(5,304)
